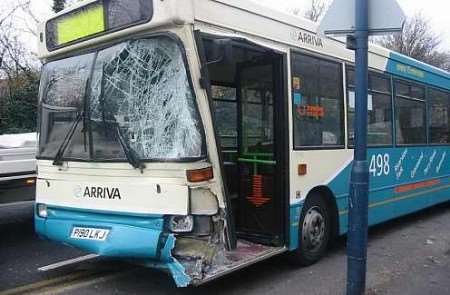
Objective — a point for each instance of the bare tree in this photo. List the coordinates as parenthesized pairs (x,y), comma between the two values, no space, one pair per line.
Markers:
(14,56)
(58,5)
(418,41)
(443,61)
(317,9)
(18,73)
(19,66)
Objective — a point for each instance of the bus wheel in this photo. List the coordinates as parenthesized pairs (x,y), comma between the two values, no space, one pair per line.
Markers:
(314,231)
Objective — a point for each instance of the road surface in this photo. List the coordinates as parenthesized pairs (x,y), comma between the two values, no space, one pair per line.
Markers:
(410,255)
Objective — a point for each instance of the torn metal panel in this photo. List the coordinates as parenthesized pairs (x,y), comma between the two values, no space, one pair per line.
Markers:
(197,256)
(190,259)
(169,263)
(136,238)
(204,260)
(176,269)
(196,249)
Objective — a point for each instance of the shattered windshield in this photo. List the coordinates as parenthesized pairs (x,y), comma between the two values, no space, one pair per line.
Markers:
(133,96)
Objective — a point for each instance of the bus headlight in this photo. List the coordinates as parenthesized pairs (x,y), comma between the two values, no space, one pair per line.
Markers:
(42,210)
(181,224)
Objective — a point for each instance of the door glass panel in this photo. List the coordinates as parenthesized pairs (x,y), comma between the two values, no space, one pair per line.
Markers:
(257,111)
(258,214)
(225,110)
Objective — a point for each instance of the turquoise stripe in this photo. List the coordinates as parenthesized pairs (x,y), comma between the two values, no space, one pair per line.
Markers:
(295,213)
(405,67)
(406,165)
(133,237)
(403,206)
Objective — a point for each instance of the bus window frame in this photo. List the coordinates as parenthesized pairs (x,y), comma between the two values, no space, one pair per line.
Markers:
(427,93)
(424,100)
(227,85)
(342,146)
(204,149)
(106,32)
(375,72)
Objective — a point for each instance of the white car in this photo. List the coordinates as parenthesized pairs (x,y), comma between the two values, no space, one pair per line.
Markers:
(17,167)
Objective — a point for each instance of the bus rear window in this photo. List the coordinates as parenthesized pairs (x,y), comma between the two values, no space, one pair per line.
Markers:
(95,19)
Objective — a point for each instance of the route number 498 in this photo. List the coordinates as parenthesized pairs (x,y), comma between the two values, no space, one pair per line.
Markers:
(379,165)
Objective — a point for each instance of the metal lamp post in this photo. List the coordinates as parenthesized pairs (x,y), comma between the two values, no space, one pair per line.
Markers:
(358,19)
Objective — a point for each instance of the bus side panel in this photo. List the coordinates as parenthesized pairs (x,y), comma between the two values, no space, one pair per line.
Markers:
(402,180)
(294,213)
(321,168)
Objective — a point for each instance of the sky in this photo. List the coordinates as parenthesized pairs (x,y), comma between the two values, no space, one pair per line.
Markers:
(437,11)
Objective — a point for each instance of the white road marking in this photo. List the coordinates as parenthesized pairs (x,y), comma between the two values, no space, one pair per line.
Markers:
(16,204)
(68,262)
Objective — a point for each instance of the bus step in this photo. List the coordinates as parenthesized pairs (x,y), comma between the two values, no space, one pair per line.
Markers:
(246,254)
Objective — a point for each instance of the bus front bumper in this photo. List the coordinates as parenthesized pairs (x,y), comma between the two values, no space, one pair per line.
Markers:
(130,237)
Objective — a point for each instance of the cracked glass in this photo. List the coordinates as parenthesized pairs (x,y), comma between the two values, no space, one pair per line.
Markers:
(138,92)
(62,92)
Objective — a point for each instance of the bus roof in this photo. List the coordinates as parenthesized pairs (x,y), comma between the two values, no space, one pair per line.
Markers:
(395,63)
(252,19)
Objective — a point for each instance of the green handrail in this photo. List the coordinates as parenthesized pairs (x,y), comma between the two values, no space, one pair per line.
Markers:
(255,161)
(258,155)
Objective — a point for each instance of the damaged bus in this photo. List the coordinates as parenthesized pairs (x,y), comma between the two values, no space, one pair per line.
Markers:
(203,136)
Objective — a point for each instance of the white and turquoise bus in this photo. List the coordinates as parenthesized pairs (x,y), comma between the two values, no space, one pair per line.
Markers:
(202,136)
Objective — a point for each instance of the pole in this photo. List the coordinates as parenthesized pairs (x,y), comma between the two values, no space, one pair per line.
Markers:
(359,183)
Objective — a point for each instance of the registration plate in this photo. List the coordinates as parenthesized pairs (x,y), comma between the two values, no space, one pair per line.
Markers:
(86,233)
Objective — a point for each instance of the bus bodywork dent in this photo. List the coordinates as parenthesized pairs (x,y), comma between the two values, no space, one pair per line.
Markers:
(170,263)
(143,238)
(131,240)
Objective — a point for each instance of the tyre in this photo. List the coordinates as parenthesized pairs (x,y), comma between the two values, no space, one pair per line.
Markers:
(314,231)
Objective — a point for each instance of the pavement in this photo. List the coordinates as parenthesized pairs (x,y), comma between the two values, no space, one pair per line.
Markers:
(410,255)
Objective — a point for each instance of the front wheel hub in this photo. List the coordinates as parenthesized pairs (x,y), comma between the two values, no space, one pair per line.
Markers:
(313,229)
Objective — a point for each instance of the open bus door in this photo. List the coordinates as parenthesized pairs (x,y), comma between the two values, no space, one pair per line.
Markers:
(255,169)
(260,214)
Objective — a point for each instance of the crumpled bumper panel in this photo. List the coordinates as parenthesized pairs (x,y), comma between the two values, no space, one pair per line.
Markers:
(129,237)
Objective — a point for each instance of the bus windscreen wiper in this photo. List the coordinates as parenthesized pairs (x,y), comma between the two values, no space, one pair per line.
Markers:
(59,155)
(131,154)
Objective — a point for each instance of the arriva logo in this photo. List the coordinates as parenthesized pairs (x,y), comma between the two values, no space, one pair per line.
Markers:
(78,192)
(97,192)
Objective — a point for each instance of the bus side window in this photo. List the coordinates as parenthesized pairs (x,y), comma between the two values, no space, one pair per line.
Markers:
(317,102)
(439,110)
(379,131)
(410,113)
